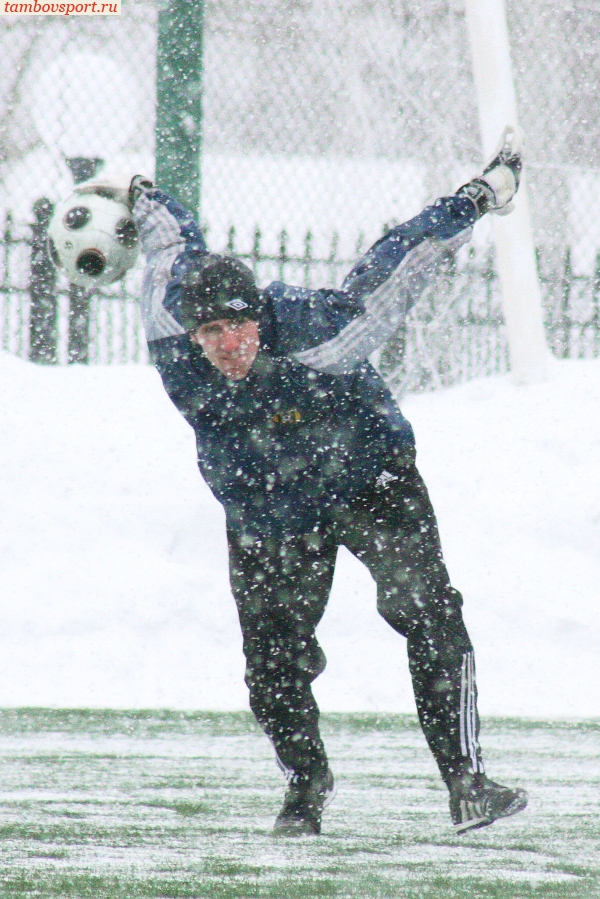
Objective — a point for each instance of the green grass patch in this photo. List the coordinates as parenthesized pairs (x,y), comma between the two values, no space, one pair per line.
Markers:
(242,886)
(169,805)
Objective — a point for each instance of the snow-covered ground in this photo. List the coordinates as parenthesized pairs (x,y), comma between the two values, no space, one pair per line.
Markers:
(113,579)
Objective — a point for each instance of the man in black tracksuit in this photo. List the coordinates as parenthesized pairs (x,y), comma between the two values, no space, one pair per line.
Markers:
(302,443)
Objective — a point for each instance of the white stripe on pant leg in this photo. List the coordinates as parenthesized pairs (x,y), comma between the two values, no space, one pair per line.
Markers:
(472,728)
(472,716)
(289,772)
(463,690)
(480,769)
(468,712)
(470,706)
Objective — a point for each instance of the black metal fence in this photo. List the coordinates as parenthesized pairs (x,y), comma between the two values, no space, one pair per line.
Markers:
(455,333)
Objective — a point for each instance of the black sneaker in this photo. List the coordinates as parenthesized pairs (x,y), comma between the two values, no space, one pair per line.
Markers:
(305,799)
(481,802)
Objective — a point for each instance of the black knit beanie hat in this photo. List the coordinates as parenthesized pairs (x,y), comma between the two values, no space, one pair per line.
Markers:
(219,287)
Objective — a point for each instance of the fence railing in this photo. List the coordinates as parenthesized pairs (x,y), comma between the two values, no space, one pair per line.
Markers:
(455,333)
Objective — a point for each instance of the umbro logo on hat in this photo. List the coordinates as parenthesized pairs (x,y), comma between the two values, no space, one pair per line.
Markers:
(218,287)
(237,303)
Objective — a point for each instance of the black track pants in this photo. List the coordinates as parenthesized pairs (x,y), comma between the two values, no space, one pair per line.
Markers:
(281,591)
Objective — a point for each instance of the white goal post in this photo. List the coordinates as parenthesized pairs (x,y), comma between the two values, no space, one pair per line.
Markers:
(496,100)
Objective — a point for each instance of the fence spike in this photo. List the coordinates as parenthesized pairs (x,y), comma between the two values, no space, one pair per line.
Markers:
(256,244)
(596,304)
(335,238)
(231,240)
(564,330)
(283,254)
(283,238)
(7,242)
(307,257)
(308,246)
(596,282)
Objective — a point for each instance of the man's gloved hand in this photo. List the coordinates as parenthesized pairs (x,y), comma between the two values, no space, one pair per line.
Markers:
(138,186)
(493,190)
(121,187)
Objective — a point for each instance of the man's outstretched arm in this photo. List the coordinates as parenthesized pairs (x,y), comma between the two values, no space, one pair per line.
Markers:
(389,279)
(387,282)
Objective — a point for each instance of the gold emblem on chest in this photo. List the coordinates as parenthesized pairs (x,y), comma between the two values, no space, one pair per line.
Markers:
(287,417)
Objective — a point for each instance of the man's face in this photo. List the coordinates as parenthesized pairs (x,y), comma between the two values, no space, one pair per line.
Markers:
(230,345)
